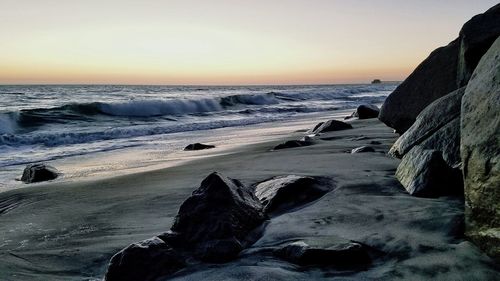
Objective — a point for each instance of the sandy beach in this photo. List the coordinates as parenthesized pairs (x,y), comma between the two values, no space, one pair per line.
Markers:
(70,230)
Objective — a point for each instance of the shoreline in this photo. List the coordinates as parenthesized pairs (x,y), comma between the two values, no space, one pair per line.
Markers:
(70,230)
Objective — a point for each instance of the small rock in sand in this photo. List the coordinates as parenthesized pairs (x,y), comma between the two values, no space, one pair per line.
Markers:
(366,111)
(362,149)
(331,125)
(39,172)
(198,146)
(292,144)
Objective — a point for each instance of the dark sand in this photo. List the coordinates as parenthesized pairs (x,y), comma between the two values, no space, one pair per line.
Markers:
(69,231)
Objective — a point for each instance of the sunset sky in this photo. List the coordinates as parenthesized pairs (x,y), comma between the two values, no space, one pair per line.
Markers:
(223,41)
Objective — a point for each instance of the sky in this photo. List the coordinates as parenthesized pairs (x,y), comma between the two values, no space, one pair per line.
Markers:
(223,41)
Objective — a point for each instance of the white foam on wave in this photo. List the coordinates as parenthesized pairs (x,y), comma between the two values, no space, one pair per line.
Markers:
(7,124)
(144,108)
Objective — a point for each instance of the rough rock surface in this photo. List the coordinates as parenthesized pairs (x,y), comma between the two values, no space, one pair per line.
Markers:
(293,143)
(423,172)
(480,152)
(198,146)
(287,192)
(39,172)
(146,260)
(221,210)
(332,125)
(476,37)
(333,253)
(362,149)
(446,140)
(432,79)
(433,118)
(366,111)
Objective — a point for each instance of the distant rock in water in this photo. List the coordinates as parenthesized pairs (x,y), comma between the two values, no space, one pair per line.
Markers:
(331,125)
(376,81)
(288,192)
(198,146)
(362,149)
(39,172)
(366,111)
(325,252)
(480,152)
(221,212)
(445,70)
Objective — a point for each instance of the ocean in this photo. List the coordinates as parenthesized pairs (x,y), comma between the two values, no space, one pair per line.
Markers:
(41,123)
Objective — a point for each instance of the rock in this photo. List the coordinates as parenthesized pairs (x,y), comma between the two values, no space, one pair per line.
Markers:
(39,172)
(424,173)
(146,260)
(432,79)
(446,69)
(332,125)
(220,210)
(288,192)
(198,146)
(292,144)
(362,149)
(340,254)
(376,81)
(366,111)
(476,37)
(317,126)
(480,152)
(443,112)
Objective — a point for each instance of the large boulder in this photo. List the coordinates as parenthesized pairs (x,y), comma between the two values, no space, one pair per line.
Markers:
(39,172)
(330,126)
(446,69)
(424,173)
(366,111)
(287,192)
(476,37)
(480,152)
(146,260)
(432,79)
(441,117)
(325,252)
(216,219)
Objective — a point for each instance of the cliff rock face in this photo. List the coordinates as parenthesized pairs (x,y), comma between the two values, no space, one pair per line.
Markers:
(446,69)
(480,152)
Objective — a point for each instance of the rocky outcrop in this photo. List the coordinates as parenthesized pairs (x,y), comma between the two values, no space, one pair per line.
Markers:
(146,260)
(38,173)
(340,254)
(331,125)
(288,192)
(446,69)
(366,111)
(363,149)
(476,37)
(436,127)
(198,146)
(222,211)
(432,79)
(293,143)
(480,152)
(423,172)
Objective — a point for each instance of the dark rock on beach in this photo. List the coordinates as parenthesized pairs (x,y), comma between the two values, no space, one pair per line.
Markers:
(340,254)
(436,127)
(220,211)
(146,260)
(366,111)
(288,192)
(38,173)
(424,173)
(331,125)
(198,146)
(480,152)
(293,143)
(446,69)
(362,149)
